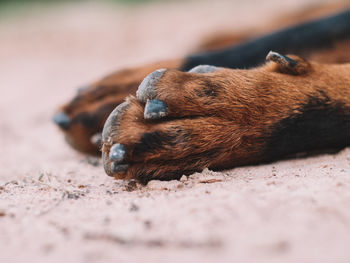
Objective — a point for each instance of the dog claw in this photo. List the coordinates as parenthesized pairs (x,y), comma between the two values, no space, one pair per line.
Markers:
(62,120)
(117,168)
(203,69)
(109,134)
(82,89)
(147,88)
(155,109)
(117,153)
(281,59)
(96,139)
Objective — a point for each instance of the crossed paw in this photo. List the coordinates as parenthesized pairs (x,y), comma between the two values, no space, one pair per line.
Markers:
(182,122)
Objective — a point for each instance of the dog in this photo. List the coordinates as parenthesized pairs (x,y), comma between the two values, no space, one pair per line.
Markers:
(223,107)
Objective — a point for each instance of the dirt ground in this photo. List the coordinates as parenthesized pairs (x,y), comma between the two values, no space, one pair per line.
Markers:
(57,205)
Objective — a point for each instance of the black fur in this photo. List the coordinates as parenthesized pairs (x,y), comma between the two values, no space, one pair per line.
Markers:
(86,119)
(94,119)
(319,125)
(208,89)
(152,141)
(299,40)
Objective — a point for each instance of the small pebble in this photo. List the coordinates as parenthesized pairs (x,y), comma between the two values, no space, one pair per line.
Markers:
(134,208)
(183,178)
(12,182)
(73,196)
(163,185)
(148,224)
(131,186)
(210,181)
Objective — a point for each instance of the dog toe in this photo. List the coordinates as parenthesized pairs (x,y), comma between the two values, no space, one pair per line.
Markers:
(147,88)
(110,129)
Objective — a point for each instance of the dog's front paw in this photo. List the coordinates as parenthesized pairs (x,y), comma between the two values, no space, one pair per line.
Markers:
(179,123)
(82,119)
(183,122)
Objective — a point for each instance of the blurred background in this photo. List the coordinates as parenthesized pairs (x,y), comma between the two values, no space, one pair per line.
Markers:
(48,49)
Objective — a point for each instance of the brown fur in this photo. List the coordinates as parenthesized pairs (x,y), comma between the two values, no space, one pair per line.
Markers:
(111,91)
(229,128)
(108,93)
(218,120)
(226,39)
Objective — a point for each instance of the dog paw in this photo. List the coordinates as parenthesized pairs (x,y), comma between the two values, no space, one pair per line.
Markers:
(145,149)
(182,122)
(177,124)
(82,119)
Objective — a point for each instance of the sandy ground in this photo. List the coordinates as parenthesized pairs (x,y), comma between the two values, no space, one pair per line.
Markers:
(58,206)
